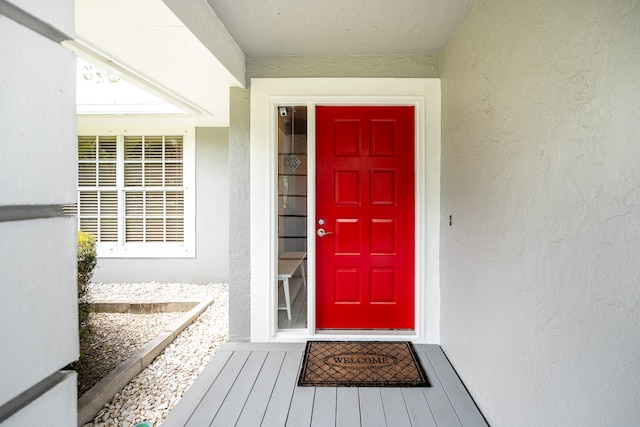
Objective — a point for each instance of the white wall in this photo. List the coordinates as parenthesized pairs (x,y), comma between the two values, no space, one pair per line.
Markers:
(408,66)
(55,406)
(211,262)
(540,270)
(239,216)
(38,309)
(205,25)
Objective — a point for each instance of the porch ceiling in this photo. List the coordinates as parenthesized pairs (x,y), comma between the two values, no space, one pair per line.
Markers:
(194,50)
(146,39)
(339,27)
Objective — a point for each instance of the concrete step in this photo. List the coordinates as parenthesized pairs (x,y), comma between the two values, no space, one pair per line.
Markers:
(141,307)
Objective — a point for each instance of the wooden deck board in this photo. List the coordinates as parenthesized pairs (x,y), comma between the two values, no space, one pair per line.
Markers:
(278,407)
(261,393)
(324,407)
(371,410)
(251,384)
(301,407)
(240,390)
(188,404)
(212,401)
(418,407)
(464,406)
(347,407)
(395,410)
(439,403)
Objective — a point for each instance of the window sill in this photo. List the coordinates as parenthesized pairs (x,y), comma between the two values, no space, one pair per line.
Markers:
(152,250)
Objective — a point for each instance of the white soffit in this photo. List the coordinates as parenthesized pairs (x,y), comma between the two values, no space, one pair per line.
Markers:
(150,42)
(100,93)
(341,27)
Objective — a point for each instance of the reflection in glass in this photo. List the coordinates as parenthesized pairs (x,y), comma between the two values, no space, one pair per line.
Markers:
(292,216)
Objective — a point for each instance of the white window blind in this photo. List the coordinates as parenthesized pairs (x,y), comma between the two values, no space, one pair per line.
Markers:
(153,189)
(97,208)
(131,189)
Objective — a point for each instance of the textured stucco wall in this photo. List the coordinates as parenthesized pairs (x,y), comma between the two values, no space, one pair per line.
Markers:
(409,66)
(211,263)
(540,270)
(38,291)
(239,217)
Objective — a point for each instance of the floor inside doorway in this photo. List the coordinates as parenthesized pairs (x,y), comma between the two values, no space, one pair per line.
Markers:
(298,306)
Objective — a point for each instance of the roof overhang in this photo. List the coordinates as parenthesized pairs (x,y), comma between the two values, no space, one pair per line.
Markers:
(147,44)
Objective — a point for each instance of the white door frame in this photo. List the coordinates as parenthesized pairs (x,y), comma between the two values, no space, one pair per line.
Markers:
(266,96)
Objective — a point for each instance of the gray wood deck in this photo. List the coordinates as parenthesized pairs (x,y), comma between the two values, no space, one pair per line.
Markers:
(250,384)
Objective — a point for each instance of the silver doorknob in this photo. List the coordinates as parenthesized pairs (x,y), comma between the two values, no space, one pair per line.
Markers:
(322,233)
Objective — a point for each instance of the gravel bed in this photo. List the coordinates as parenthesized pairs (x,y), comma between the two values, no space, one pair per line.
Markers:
(116,337)
(152,394)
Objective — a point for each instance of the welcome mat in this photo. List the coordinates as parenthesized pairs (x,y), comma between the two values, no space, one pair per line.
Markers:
(361,364)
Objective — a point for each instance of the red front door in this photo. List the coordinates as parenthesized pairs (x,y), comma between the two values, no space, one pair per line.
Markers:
(365,217)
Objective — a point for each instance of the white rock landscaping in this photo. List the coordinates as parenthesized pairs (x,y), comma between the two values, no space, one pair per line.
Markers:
(153,393)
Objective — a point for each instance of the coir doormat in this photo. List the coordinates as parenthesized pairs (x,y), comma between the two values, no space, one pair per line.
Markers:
(361,364)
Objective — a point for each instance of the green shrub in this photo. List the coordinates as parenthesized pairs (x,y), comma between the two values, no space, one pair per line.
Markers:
(87,259)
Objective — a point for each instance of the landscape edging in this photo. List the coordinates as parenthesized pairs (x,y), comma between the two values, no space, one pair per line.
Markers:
(95,398)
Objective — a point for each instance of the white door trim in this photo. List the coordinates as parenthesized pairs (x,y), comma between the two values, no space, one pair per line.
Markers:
(266,95)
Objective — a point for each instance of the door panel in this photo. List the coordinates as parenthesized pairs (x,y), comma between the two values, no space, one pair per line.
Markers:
(365,198)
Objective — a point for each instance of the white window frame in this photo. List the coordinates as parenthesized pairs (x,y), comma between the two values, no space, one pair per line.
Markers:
(156,250)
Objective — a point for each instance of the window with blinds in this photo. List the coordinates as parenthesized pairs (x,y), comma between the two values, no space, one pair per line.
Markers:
(131,188)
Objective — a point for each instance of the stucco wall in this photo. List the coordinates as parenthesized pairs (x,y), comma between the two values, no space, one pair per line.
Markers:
(409,66)
(211,263)
(540,269)
(239,220)
(38,309)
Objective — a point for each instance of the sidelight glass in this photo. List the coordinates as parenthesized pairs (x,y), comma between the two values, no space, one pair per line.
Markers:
(292,217)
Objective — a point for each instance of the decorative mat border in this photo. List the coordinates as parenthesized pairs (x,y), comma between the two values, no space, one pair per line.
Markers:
(423,382)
